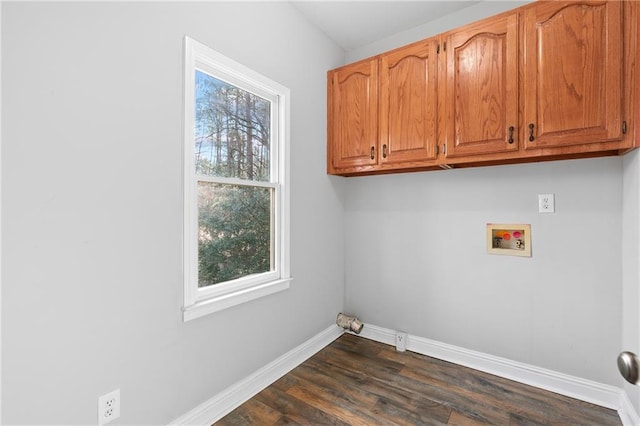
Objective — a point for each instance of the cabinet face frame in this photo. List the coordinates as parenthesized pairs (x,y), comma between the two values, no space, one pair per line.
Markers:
(631,83)
(492,87)
(590,85)
(408,104)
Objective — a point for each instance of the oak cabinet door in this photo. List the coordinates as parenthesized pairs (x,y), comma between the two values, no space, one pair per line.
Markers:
(572,73)
(408,104)
(480,88)
(353,116)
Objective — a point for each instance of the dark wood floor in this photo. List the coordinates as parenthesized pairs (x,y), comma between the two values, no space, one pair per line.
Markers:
(357,381)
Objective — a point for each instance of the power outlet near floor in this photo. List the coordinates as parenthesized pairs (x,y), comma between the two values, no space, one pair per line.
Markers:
(401,341)
(108,407)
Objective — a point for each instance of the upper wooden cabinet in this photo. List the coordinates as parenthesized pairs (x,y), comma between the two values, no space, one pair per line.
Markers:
(573,73)
(382,112)
(549,80)
(408,101)
(479,88)
(353,116)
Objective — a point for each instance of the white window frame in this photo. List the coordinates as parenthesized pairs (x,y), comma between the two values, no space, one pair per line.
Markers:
(202,301)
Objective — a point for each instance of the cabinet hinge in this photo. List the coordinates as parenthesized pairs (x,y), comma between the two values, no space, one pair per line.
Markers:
(624,127)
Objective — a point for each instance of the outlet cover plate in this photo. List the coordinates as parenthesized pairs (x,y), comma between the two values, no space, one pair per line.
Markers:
(546,203)
(108,407)
(401,341)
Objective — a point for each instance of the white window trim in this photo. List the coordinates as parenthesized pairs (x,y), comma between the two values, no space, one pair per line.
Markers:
(198,302)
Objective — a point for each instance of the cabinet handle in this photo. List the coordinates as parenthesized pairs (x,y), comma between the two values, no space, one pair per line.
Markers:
(531,138)
(373,152)
(384,151)
(511,129)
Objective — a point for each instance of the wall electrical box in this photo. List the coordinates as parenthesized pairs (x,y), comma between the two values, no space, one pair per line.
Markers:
(509,239)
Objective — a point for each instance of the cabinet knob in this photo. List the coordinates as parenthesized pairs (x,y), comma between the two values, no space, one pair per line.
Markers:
(531,138)
(384,151)
(511,129)
(373,152)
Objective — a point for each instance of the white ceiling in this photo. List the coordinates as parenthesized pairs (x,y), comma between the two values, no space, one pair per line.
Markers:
(353,24)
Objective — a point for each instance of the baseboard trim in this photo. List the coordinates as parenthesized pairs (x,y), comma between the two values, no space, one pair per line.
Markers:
(627,412)
(226,401)
(574,387)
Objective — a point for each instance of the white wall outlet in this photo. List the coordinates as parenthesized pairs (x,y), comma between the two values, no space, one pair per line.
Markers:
(108,407)
(401,341)
(546,203)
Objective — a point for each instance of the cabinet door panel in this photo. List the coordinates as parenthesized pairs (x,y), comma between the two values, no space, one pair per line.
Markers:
(353,111)
(408,104)
(573,73)
(481,96)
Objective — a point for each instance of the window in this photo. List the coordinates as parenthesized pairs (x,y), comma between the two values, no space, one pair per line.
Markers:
(236,195)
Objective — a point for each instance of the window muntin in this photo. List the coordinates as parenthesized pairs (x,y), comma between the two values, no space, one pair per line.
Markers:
(236,244)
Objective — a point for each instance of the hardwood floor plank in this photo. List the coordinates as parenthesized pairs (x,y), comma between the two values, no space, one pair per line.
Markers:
(294,410)
(475,400)
(335,405)
(519,420)
(319,377)
(458,419)
(250,413)
(287,421)
(422,407)
(531,403)
(363,362)
(390,411)
(357,381)
(392,375)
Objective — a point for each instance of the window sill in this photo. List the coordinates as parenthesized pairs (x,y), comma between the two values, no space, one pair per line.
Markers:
(225,301)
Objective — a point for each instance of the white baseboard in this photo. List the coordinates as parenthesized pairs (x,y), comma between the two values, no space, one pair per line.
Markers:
(226,401)
(574,387)
(627,412)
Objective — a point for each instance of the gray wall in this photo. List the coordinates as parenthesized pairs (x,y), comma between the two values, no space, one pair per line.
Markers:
(575,322)
(631,262)
(483,9)
(92,110)
(416,261)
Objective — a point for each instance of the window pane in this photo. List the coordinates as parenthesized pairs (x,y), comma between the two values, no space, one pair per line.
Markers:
(232,131)
(235,232)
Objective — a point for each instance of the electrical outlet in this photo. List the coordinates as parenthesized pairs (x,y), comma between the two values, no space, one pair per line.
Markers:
(546,203)
(401,341)
(108,407)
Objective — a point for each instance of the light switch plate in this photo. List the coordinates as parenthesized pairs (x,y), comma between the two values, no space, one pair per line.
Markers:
(546,203)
